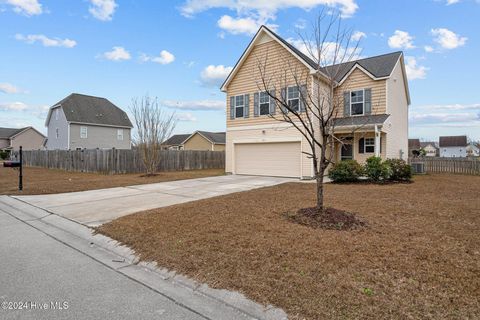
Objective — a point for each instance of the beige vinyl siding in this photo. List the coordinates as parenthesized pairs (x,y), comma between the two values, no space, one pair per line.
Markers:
(268,134)
(218,147)
(358,80)
(197,142)
(280,63)
(362,157)
(29,139)
(397,124)
(281,159)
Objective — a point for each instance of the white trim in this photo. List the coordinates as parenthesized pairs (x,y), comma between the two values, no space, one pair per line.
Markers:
(363,103)
(247,51)
(288,99)
(47,120)
(261,126)
(259,104)
(357,66)
(68,136)
(99,125)
(83,128)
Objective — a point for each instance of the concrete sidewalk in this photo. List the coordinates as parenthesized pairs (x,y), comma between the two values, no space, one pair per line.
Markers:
(95,207)
(49,259)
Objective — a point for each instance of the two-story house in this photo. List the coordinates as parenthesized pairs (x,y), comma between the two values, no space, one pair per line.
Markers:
(453,146)
(28,138)
(372,120)
(85,122)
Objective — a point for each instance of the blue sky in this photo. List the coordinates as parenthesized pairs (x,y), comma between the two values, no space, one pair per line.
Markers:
(180,51)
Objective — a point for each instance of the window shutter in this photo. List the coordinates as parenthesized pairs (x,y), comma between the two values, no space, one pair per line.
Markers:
(368,101)
(346,104)
(303,98)
(247,106)
(256,104)
(273,103)
(232,108)
(361,145)
(284,100)
(380,142)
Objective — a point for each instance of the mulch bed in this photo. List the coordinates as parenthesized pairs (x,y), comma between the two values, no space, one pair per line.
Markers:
(329,219)
(419,257)
(48,181)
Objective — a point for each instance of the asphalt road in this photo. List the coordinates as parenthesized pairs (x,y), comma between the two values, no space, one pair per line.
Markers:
(36,269)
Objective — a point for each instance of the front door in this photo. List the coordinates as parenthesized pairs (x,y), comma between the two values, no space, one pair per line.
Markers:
(346,152)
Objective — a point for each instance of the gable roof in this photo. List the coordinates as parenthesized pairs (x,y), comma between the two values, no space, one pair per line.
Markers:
(361,120)
(453,141)
(80,108)
(176,139)
(378,67)
(427,143)
(213,137)
(413,144)
(6,133)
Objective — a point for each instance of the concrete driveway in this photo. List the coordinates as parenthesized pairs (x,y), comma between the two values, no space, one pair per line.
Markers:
(95,207)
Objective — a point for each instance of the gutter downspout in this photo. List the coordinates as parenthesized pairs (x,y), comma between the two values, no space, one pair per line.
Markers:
(377,141)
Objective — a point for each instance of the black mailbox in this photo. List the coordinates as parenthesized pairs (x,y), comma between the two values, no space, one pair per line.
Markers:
(11,164)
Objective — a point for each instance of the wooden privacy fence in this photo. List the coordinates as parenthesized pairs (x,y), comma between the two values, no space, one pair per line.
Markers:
(122,161)
(450,165)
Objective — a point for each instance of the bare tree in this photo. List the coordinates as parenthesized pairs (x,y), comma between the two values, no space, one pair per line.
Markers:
(154,125)
(331,47)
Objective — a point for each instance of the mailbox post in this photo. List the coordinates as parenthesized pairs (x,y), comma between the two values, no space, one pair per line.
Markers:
(19,165)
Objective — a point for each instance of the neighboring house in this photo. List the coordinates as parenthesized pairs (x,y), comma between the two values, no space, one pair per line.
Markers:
(175,142)
(430,148)
(374,94)
(29,138)
(413,147)
(86,122)
(473,149)
(453,146)
(199,140)
(204,140)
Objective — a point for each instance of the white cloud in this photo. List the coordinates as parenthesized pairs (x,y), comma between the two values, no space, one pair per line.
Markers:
(451,107)
(301,24)
(357,35)
(186,117)
(196,105)
(241,25)
(450,2)
(448,39)
(9,88)
(46,41)
(414,71)
(14,106)
(401,39)
(117,54)
(266,8)
(330,53)
(428,48)
(26,7)
(103,9)
(165,57)
(215,75)
(442,117)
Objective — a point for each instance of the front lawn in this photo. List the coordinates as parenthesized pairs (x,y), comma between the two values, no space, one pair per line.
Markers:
(46,181)
(419,257)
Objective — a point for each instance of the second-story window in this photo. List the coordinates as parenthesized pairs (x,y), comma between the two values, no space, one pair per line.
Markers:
(56,133)
(57,112)
(264,103)
(293,98)
(357,102)
(83,132)
(239,106)
(120,134)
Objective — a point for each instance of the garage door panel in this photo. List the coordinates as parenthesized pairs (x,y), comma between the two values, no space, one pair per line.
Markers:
(271,159)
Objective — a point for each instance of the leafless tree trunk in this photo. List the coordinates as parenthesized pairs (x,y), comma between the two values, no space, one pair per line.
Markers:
(329,45)
(154,125)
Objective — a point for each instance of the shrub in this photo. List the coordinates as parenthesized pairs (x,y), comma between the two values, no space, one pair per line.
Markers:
(377,170)
(400,170)
(345,171)
(3,155)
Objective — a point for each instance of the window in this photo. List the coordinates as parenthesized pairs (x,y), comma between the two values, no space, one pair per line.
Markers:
(120,134)
(239,106)
(264,103)
(56,133)
(83,132)
(293,98)
(356,102)
(369,145)
(57,112)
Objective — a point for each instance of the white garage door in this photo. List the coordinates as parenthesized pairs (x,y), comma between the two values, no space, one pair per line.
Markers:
(281,159)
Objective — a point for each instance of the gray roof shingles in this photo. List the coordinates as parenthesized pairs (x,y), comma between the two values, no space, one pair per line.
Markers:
(361,120)
(453,141)
(379,66)
(82,108)
(6,133)
(215,137)
(176,139)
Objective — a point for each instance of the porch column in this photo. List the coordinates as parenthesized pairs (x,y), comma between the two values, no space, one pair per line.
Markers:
(377,141)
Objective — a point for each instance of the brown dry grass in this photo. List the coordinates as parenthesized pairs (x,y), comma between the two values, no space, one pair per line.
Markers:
(419,258)
(46,181)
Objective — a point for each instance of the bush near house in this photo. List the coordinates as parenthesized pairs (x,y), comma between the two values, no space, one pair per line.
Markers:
(3,155)
(345,171)
(375,169)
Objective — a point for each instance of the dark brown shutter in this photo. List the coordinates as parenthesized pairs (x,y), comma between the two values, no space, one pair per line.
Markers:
(361,145)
